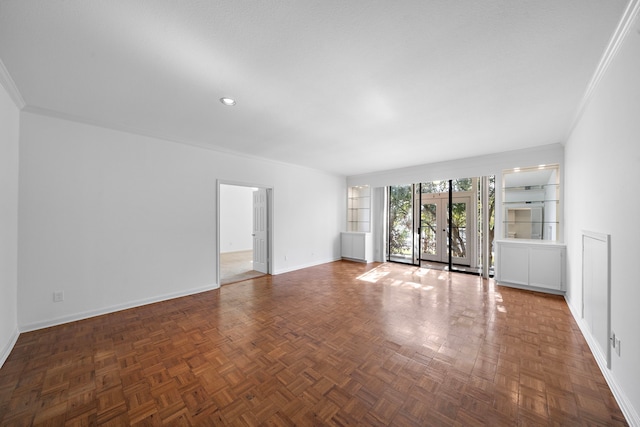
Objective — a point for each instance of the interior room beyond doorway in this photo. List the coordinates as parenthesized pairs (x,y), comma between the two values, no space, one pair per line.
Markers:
(237,234)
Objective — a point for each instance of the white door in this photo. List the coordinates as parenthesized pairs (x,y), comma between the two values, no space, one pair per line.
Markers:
(434,217)
(260,253)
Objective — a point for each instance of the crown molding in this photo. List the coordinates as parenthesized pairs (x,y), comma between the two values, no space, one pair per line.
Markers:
(618,37)
(10,86)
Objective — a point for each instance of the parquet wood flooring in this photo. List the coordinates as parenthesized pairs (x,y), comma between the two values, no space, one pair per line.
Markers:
(338,344)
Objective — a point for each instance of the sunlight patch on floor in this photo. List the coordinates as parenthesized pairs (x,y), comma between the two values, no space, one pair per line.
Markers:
(374,275)
(379,273)
(422,271)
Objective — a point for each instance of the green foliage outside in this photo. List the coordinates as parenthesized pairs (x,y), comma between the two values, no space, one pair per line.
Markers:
(400,220)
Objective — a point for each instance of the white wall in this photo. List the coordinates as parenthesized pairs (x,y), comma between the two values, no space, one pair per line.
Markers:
(115,219)
(236,218)
(602,176)
(9,127)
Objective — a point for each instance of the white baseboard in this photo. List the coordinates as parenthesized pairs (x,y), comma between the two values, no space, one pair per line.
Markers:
(236,251)
(9,346)
(106,310)
(301,266)
(626,407)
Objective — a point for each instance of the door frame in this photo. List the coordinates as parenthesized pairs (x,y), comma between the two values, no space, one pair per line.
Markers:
(270,222)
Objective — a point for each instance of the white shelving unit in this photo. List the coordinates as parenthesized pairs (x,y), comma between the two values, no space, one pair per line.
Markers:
(356,243)
(359,209)
(531,212)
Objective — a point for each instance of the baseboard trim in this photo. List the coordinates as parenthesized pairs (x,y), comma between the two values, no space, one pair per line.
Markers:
(237,251)
(626,407)
(307,265)
(530,288)
(6,351)
(112,309)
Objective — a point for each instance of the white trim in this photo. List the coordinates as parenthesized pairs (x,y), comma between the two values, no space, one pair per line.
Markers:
(6,351)
(623,401)
(598,350)
(10,86)
(597,236)
(114,308)
(307,265)
(618,37)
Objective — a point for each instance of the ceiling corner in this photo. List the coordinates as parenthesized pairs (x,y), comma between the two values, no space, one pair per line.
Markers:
(10,86)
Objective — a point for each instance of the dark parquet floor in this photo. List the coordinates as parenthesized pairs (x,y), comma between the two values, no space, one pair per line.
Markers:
(338,344)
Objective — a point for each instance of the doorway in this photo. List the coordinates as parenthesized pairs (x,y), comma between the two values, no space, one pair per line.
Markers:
(244,238)
(443,224)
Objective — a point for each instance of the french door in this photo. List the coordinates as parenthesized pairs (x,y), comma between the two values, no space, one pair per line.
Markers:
(434,228)
(418,228)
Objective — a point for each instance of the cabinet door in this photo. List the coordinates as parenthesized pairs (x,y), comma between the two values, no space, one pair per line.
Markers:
(347,245)
(358,247)
(514,264)
(545,267)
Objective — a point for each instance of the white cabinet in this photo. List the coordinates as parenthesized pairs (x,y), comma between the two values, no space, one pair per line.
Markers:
(531,264)
(357,246)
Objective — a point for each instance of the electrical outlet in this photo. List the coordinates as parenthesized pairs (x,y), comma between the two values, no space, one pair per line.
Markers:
(58,296)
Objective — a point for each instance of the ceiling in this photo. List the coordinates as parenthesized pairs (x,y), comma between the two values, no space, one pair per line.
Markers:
(349,87)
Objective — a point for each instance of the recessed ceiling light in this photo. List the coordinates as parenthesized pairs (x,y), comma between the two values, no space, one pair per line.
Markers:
(228,101)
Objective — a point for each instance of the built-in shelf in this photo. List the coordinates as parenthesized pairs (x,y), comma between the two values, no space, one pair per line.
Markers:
(531,203)
(359,208)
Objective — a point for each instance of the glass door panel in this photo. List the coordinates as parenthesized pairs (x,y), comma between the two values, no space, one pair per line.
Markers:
(429,229)
(430,242)
(459,230)
(401,230)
